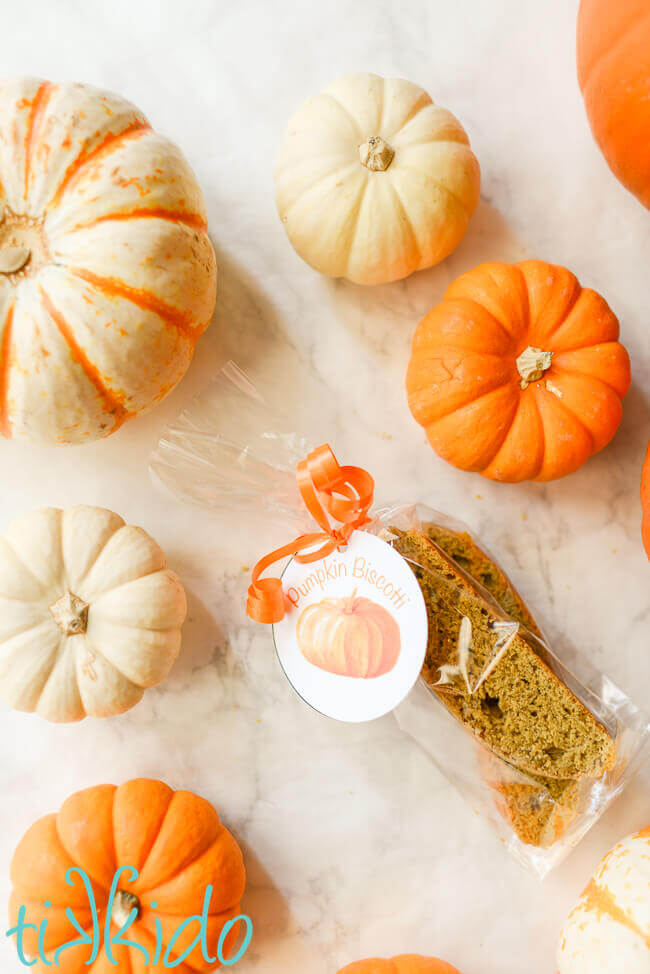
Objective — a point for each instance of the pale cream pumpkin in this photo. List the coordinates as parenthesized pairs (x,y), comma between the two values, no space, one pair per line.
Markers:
(90,615)
(609,929)
(350,637)
(107,275)
(374,181)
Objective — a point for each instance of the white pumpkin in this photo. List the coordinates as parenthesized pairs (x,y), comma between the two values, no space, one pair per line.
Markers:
(107,275)
(608,931)
(374,181)
(90,616)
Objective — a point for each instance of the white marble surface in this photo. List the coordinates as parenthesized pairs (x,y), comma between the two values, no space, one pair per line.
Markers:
(354,842)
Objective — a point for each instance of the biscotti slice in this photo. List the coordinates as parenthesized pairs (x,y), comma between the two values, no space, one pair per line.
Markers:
(521,710)
(461,546)
(539,811)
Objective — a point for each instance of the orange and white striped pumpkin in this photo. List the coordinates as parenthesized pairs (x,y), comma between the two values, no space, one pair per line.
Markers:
(609,928)
(107,275)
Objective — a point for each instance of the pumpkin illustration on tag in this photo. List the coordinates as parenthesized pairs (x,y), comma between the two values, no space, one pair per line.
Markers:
(353,636)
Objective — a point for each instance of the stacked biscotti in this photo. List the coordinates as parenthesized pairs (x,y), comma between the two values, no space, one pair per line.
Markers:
(505,692)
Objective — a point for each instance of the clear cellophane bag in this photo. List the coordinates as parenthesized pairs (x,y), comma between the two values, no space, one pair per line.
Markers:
(539,745)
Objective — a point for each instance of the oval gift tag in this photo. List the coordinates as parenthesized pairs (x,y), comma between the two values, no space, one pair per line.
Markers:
(354,636)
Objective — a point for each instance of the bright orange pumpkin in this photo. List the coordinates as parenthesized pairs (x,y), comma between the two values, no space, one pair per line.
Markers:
(405,964)
(176,842)
(518,373)
(614,75)
(645,502)
(350,637)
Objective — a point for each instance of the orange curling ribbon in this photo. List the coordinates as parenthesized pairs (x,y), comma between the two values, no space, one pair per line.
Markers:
(328,491)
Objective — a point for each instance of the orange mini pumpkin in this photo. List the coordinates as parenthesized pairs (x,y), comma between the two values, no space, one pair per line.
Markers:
(518,373)
(405,964)
(176,842)
(350,637)
(614,76)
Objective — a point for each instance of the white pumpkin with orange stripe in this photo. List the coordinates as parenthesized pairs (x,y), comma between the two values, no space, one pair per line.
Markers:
(107,275)
(608,931)
(90,615)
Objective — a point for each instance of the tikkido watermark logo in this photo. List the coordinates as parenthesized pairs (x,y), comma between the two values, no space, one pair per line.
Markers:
(123,909)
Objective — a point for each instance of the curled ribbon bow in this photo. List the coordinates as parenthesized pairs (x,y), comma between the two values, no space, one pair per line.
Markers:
(328,490)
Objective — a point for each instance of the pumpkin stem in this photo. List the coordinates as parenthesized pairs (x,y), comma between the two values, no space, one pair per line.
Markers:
(532,364)
(348,607)
(23,245)
(375,154)
(70,614)
(123,904)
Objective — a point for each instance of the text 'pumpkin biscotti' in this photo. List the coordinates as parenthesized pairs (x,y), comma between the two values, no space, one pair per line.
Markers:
(376,609)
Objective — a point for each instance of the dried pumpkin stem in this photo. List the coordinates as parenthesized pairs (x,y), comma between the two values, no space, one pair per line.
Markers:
(23,245)
(70,614)
(123,904)
(532,364)
(13,259)
(375,154)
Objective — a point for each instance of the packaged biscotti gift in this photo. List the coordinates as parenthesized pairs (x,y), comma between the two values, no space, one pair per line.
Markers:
(399,608)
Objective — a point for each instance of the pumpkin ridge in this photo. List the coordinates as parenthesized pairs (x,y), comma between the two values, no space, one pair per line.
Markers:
(149,890)
(382,109)
(169,574)
(569,323)
(355,216)
(112,404)
(522,278)
(439,185)
(192,220)
(113,287)
(542,434)
(27,569)
(422,102)
(105,147)
(345,110)
(532,338)
(586,375)
(486,392)
(507,429)
(159,889)
(96,886)
(562,405)
(484,310)
(612,48)
(144,855)
(95,882)
(82,578)
(495,462)
(350,168)
(409,223)
(5,345)
(37,111)
(114,588)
